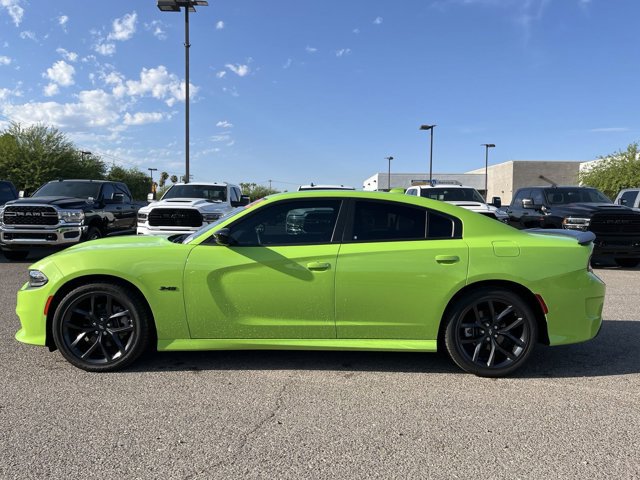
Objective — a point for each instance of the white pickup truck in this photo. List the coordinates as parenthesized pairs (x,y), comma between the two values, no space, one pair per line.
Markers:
(465,197)
(184,208)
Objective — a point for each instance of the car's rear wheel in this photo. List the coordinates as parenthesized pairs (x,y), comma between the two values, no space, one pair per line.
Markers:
(490,332)
(628,262)
(101,327)
(94,233)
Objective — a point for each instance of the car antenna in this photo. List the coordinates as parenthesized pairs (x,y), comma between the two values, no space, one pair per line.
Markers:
(553,184)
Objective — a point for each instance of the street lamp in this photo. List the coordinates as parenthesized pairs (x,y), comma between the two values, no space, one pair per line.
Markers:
(486,146)
(430,127)
(83,153)
(189,6)
(389,174)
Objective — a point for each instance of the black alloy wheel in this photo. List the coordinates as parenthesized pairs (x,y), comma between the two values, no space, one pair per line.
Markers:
(491,332)
(101,327)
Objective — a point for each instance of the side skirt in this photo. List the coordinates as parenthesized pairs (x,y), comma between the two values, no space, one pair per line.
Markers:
(183,344)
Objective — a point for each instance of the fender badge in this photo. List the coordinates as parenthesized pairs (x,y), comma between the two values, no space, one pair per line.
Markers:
(168,289)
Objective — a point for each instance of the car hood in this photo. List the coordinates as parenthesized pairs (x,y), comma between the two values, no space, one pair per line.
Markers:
(62,202)
(197,203)
(588,209)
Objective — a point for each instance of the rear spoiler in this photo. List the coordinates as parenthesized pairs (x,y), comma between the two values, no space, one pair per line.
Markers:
(583,238)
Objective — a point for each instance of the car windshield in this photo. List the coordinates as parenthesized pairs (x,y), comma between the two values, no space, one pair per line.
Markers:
(452,194)
(213,225)
(214,193)
(69,189)
(563,196)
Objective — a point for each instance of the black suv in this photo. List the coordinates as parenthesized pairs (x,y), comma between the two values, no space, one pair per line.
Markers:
(617,228)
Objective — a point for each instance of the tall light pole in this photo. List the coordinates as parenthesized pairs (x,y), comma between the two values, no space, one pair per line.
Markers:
(486,146)
(389,174)
(189,6)
(83,153)
(430,127)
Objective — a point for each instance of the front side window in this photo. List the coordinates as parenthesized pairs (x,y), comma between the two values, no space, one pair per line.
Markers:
(628,198)
(288,223)
(521,195)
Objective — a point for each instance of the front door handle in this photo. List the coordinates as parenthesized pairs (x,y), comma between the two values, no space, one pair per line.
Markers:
(318,266)
(447,259)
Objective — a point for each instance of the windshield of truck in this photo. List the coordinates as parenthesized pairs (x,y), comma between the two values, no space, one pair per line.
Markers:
(214,193)
(69,189)
(452,194)
(6,193)
(213,225)
(563,196)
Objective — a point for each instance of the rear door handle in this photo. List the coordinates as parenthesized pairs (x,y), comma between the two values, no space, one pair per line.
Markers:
(447,259)
(318,266)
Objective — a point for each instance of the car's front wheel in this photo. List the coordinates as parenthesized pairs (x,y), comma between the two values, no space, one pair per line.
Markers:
(15,254)
(490,332)
(101,327)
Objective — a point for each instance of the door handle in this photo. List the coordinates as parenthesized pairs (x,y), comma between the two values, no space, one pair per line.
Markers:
(447,259)
(318,266)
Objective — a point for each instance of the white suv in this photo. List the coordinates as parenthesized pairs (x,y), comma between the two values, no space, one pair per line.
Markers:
(184,208)
(465,197)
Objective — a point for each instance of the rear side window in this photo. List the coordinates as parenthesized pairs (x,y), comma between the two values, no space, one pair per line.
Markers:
(628,198)
(380,221)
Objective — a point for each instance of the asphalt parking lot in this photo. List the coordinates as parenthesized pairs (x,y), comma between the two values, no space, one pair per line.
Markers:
(572,412)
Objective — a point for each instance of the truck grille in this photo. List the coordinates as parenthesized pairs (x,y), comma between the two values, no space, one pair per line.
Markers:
(175,217)
(607,223)
(27,215)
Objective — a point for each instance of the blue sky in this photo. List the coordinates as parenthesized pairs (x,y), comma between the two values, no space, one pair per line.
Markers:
(296,91)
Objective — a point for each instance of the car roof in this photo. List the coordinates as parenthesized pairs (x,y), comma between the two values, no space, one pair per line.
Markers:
(441,185)
(324,187)
(208,184)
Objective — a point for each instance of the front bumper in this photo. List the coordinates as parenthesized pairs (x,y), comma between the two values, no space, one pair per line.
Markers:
(616,246)
(60,235)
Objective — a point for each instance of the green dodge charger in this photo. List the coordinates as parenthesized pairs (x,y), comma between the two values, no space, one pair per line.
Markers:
(320,270)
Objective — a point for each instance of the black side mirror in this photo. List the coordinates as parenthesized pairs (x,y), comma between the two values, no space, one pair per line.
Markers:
(527,203)
(223,237)
(243,202)
(496,202)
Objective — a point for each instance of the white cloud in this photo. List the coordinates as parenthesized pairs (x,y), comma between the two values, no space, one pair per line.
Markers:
(160,84)
(5,60)
(221,74)
(224,124)
(5,93)
(287,64)
(231,91)
(106,49)
(15,11)
(157,28)
(240,70)
(609,130)
(377,21)
(356,30)
(28,34)
(220,138)
(311,49)
(62,21)
(61,73)
(220,25)
(141,118)
(51,89)
(342,52)
(123,28)
(70,56)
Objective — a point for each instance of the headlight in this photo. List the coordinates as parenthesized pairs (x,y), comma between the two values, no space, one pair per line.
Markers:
(71,216)
(142,217)
(2,215)
(576,223)
(211,217)
(37,278)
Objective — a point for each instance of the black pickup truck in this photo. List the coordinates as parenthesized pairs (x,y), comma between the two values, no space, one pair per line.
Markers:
(617,228)
(64,212)
(7,192)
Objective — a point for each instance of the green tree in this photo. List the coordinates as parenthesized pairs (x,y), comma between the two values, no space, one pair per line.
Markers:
(614,172)
(138,182)
(164,176)
(34,155)
(256,191)
(174,179)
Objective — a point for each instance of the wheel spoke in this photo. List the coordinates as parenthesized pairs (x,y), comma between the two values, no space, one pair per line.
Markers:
(91,348)
(507,353)
(109,306)
(118,342)
(126,328)
(492,310)
(492,355)
(82,313)
(471,340)
(515,340)
(476,312)
(104,350)
(505,312)
(519,321)
(123,313)
(476,352)
(93,305)
(81,336)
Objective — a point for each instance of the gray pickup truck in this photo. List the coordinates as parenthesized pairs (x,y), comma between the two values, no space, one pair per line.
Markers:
(65,212)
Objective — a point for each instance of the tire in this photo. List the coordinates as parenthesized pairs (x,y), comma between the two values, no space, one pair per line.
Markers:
(628,262)
(94,233)
(101,327)
(16,254)
(490,332)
